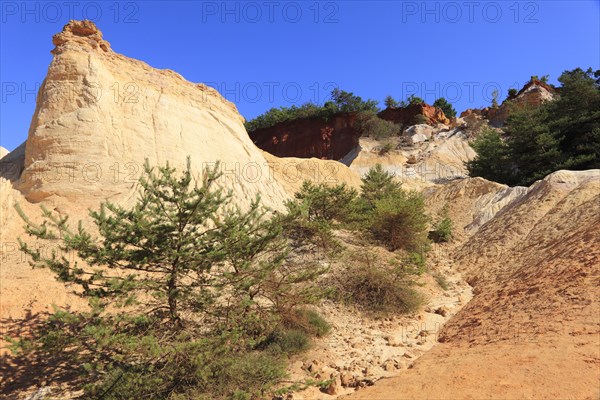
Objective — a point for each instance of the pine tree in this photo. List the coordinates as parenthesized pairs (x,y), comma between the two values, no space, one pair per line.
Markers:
(377,184)
(446,107)
(200,284)
(390,102)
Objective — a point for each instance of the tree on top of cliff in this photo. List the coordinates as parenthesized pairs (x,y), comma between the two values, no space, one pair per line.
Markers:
(446,107)
(390,102)
(341,101)
(411,100)
(560,134)
(348,102)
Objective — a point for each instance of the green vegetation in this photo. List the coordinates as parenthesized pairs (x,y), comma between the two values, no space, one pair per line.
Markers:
(420,119)
(543,79)
(341,101)
(495,95)
(383,213)
(369,124)
(191,297)
(386,148)
(560,134)
(442,231)
(377,287)
(393,216)
(203,294)
(512,92)
(390,102)
(400,222)
(320,202)
(446,107)
(412,99)
(441,281)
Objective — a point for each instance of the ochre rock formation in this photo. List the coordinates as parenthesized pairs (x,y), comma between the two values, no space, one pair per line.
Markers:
(99,115)
(314,137)
(334,138)
(533,94)
(531,330)
(406,116)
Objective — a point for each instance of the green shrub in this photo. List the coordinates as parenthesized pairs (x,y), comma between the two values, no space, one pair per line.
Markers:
(377,287)
(309,321)
(441,281)
(412,99)
(492,159)
(341,101)
(198,286)
(386,148)
(369,124)
(420,119)
(377,184)
(400,221)
(316,209)
(322,202)
(289,342)
(442,231)
(390,102)
(446,107)
(560,134)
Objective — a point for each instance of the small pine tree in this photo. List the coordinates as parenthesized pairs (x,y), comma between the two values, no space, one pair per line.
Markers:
(446,107)
(201,285)
(390,102)
(412,99)
(377,184)
(400,221)
(495,99)
(442,231)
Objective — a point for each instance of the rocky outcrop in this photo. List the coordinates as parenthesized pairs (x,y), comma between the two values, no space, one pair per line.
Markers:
(12,164)
(533,94)
(291,172)
(3,152)
(315,137)
(99,115)
(534,268)
(438,158)
(408,115)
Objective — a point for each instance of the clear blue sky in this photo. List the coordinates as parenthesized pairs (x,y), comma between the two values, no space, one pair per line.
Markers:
(267,54)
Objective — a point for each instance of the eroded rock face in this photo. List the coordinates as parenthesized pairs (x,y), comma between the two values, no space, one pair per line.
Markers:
(310,137)
(406,116)
(533,94)
(533,319)
(99,115)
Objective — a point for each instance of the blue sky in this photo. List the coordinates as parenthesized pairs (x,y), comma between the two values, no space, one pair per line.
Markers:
(264,54)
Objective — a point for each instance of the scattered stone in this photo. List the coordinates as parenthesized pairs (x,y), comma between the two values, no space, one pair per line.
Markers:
(313,366)
(346,379)
(389,366)
(41,394)
(443,311)
(393,341)
(334,387)
(358,345)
